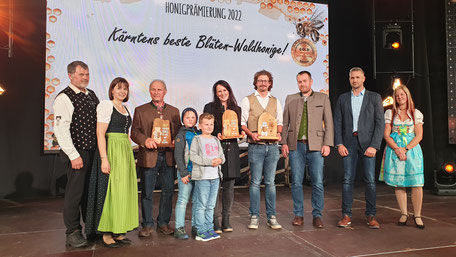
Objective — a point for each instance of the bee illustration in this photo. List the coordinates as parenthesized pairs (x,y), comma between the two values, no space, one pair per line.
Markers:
(311,27)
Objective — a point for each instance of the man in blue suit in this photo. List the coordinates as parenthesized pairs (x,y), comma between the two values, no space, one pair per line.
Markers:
(358,131)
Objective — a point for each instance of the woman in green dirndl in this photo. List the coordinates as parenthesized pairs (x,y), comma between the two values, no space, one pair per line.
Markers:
(113,181)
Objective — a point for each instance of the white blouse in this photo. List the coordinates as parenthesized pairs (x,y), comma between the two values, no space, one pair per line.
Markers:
(397,122)
(104,111)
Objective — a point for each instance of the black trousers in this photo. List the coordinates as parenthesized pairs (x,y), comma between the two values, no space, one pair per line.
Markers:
(75,202)
(227,195)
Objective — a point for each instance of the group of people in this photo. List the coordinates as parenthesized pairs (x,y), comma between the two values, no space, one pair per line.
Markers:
(102,180)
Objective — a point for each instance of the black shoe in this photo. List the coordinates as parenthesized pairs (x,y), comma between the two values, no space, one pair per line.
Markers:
(416,224)
(217,228)
(194,231)
(124,241)
(76,239)
(400,223)
(113,245)
(226,224)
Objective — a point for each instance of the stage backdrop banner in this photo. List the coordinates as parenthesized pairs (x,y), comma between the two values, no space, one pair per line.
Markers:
(189,44)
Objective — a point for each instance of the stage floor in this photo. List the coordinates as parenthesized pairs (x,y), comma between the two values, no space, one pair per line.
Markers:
(35,228)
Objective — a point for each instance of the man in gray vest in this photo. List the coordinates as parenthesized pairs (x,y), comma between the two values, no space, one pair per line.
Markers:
(263,156)
(75,120)
(307,134)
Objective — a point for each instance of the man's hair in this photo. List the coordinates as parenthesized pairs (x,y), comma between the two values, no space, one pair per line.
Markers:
(71,68)
(158,80)
(304,72)
(263,72)
(205,116)
(355,69)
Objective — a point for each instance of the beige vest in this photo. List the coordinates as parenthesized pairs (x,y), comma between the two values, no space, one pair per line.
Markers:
(256,110)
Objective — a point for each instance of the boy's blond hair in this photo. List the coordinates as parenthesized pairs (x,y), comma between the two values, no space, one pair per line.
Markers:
(206,116)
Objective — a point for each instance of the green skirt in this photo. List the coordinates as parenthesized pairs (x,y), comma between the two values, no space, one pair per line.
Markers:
(120,208)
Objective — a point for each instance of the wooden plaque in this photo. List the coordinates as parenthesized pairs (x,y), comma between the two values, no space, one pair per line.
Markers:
(161,133)
(267,127)
(230,127)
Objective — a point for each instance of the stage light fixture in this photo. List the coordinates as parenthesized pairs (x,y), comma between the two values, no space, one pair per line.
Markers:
(2,91)
(396,82)
(392,36)
(448,167)
(388,101)
(445,180)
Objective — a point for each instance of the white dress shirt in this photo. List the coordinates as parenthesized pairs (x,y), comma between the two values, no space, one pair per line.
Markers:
(245,107)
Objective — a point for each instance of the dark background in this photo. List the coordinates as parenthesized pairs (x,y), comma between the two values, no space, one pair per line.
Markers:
(25,172)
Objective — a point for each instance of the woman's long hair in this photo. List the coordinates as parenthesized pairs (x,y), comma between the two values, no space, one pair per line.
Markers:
(410,104)
(232,103)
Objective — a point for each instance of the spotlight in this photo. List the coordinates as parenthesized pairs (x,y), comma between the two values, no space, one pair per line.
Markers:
(2,91)
(445,180)
(392,36)
(396,82)
(448,167)
(388,101)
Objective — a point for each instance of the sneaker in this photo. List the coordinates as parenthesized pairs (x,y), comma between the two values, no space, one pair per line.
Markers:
(180,233)
(344,222)
(372,222)
(214,234)
(203,237)
(254,221)
(272,222)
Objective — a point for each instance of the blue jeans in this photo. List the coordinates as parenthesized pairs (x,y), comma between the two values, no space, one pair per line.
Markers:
(315,161)
(205,196)
(350,162)
(263,162)
(184,194)
(148,179)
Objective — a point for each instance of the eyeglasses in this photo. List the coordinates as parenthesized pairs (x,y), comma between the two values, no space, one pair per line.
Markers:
(263,81)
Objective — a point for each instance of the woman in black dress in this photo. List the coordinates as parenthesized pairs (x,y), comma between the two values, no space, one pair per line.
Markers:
(225,100)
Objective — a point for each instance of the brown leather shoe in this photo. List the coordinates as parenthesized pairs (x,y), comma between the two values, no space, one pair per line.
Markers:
(317,222)
(298,221)
(145,232)
(165,229)
(344,222)
(372,222)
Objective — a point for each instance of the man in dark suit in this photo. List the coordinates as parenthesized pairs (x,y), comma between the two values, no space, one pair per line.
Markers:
(154,160)
(307,135)
(358,129)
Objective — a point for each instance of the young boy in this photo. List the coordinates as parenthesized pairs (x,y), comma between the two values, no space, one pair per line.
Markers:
(184,170)
(206,153)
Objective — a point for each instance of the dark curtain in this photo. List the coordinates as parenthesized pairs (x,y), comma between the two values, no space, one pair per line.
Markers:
(351,45)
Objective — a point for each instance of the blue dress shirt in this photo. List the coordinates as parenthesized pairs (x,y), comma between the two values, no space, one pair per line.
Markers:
(356,102)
